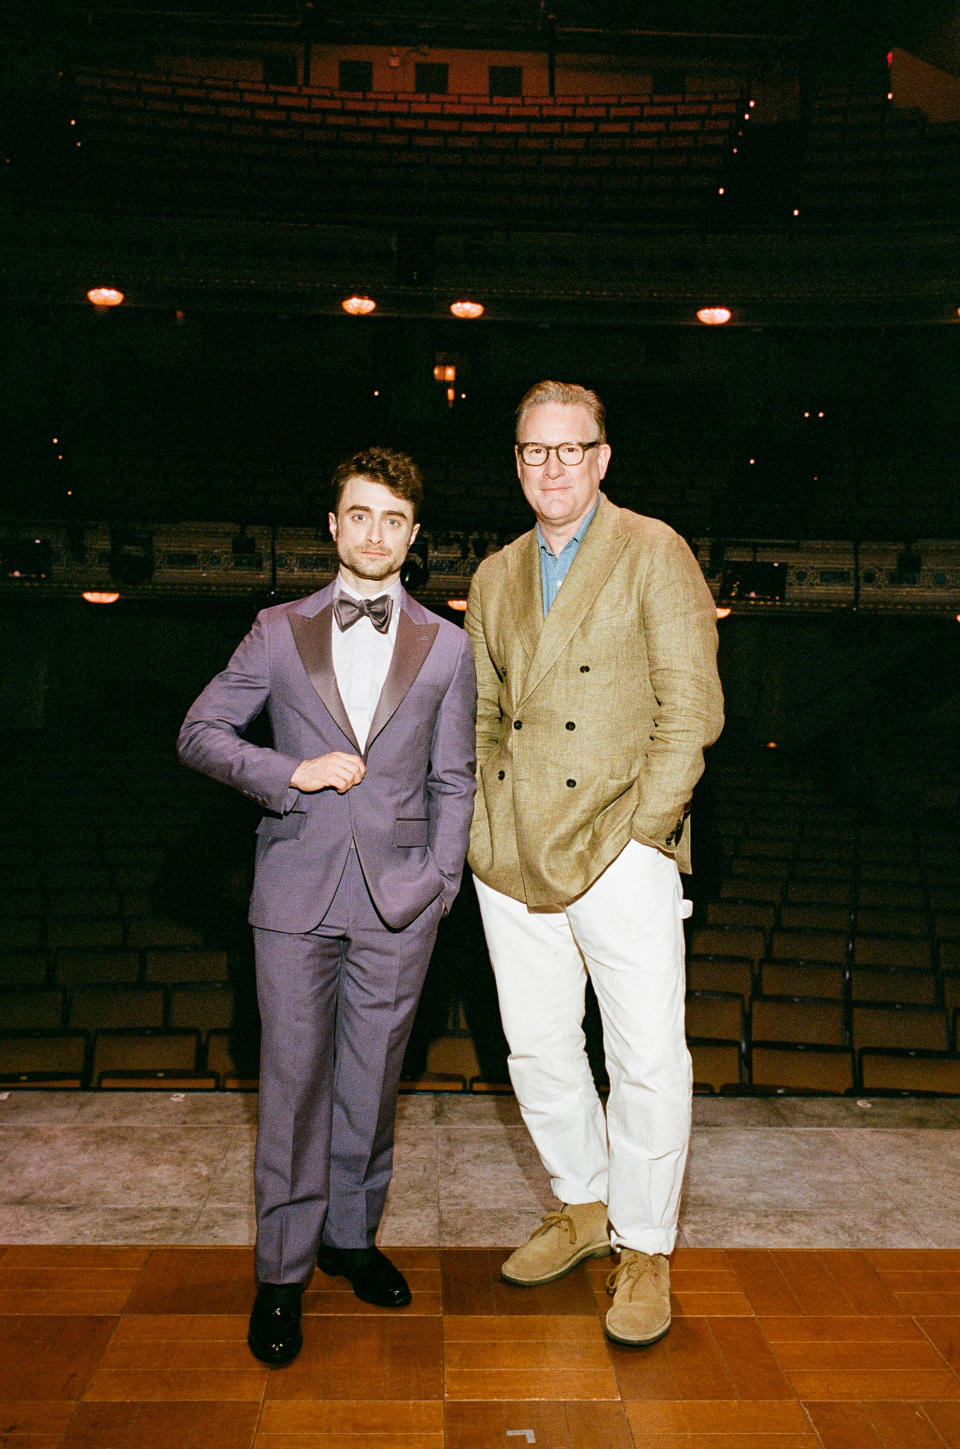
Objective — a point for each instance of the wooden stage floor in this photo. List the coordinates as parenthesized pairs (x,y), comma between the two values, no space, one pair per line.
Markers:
(133,1347)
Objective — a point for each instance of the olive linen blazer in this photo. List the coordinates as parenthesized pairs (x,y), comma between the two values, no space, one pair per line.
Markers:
(591,723)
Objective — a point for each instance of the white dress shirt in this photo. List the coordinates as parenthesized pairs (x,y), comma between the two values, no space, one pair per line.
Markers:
(361,659)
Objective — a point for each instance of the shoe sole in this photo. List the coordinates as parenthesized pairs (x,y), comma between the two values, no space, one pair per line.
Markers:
(637,1342)
(592,1252)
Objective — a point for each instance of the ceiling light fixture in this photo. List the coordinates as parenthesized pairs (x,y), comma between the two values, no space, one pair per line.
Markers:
(102,297)
(358,306)
(714,316)
(466,308)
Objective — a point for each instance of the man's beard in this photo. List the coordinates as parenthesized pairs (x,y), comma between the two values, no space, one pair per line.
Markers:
(370,568)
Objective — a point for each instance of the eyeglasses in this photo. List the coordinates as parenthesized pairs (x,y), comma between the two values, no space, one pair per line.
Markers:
(534,455)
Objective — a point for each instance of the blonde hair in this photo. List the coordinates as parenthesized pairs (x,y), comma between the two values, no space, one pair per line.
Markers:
(567,394)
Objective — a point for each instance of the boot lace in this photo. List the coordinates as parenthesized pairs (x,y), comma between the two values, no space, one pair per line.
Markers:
(557,1220)
(629,1273)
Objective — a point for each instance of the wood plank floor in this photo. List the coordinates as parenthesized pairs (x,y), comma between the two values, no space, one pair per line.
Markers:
(145,1348)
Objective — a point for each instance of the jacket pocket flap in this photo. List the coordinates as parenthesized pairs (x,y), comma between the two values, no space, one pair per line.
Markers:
(282,827)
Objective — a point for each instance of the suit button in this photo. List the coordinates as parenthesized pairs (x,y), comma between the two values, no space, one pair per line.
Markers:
(571,783)
(518,724)
(501,774)
(584,668)
(570,725)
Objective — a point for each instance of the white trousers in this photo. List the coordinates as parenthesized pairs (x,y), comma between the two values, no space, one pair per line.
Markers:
(625,932)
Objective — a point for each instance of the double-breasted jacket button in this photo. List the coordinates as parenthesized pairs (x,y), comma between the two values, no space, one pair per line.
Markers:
(518,724)
(501,774)
(571,783)
(570,725)
(584,668)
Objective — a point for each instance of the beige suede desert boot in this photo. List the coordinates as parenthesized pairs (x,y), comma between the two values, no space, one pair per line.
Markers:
(563,1239)
(640,1313)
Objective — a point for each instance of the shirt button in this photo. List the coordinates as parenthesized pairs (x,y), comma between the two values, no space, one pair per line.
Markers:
(584,668)
(571,783)
(518,724)
(501,774)
(570,725)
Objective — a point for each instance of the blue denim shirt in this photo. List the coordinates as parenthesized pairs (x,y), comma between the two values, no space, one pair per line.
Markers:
(555,567)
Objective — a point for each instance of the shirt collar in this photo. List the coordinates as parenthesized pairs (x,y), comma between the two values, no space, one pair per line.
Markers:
(342,587)
(576,539)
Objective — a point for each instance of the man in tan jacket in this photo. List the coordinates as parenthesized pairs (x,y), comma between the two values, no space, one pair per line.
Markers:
(595,642)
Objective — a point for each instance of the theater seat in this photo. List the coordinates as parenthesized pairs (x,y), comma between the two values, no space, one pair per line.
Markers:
(56,1059)
(797,1067)
(717,1065)
(909,1071)
(233,1058)
(145,1058)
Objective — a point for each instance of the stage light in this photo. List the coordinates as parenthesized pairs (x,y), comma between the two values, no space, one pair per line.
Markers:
(724,613)
(358,306)
(99,596)
(103,297)
(460,605)
(714,316)
(467,309)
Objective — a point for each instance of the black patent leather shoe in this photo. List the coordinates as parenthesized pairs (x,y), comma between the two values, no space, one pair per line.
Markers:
(274,1335)
(369,1272)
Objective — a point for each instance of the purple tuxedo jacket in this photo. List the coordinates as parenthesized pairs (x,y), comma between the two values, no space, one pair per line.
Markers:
(410,815)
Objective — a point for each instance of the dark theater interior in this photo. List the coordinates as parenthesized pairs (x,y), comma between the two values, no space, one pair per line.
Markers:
(241,241)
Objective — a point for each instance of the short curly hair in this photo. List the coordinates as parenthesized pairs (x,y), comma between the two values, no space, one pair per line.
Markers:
(381,465)
(567,394)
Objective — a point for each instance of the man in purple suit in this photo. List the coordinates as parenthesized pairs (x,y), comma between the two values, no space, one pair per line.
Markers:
(368,792)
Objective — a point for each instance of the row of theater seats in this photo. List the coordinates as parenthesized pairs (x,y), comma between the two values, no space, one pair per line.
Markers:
(452,154)
(823,955)
(863,155)
(237,141)
(829,950)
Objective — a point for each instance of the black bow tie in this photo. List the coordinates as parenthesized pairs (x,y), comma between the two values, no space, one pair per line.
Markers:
(347,611)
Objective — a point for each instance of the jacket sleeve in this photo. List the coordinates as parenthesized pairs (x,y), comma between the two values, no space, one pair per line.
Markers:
(210,736)
(680,626)
(451,780)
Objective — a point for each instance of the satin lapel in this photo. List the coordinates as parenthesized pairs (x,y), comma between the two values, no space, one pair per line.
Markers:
(601,547)
(411,647)
(312,638)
